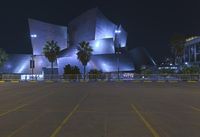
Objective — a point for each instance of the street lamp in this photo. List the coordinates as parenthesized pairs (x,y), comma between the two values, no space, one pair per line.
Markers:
(32,64)
(117,45)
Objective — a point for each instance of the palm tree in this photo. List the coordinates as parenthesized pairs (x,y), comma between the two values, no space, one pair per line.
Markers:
(178,45)
(51,51)
(84,54)
(3,57)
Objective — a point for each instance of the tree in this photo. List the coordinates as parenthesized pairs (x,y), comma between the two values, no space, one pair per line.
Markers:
(178,44)
(84,54)
(51,51)
(3,57)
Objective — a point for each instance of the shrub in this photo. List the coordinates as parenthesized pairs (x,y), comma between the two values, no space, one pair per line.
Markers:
(166,71)
(71,72)
(146,71)
(95,74)
(190,70)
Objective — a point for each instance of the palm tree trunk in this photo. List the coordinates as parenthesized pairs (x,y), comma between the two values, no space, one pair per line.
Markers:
(84,71)
(51,70)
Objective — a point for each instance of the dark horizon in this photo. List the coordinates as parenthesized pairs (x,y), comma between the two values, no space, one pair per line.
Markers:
(149,24)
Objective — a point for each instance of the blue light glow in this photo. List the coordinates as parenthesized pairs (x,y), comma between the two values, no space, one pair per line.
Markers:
(33,35)
(106,67)
(117,31)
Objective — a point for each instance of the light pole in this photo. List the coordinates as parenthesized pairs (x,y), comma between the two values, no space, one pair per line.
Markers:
(118,61)
(32,65)
(117,45)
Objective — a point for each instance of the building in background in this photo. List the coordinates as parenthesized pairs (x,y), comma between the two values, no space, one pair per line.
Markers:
(192,51)
(104,37)
(107,40)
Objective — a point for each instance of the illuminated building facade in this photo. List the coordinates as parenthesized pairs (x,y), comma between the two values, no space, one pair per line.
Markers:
(192,51)
(107,40)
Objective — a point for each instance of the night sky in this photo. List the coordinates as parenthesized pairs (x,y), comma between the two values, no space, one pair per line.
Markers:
(150,24)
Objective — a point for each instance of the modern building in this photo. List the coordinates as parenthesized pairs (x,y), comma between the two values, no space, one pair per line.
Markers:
(192,50)
(107,40)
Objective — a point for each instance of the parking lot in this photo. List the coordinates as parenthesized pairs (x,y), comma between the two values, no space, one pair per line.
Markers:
(100,109)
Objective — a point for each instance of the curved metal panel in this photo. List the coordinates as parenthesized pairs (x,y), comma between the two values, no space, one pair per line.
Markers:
(42,32)
(104,27)
(82,28)
(102,46)
(141,57)
(17,63)
(122,37)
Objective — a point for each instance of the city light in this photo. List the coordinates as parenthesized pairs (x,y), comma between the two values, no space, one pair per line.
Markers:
(33,36)
(117,31)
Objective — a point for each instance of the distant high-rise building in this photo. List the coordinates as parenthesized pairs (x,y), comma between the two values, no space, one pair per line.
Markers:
(192,50)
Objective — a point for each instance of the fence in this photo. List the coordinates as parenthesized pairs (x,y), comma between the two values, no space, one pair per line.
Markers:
(104,76)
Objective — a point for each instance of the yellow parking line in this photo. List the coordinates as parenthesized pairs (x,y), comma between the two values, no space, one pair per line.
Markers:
(32,81)
(49,81)
(173,81)
(195,108)
(75,109)
(57,130)
(136,81)
(146,123)
(65,81)
(2,81)
(12,110)
(14,81)
(161,81)
(147,81)
(192,81)
(24,126)
(24,105)
(84,81)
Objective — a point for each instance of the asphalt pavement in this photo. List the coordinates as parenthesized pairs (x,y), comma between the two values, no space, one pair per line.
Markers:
(100,109)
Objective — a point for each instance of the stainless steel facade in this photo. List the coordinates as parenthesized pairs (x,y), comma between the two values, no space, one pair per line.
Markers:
(104,37)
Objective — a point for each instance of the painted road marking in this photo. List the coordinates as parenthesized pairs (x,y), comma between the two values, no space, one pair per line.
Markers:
(49,81)
(83,81)
(173,81)
(161,81)
(2,81)
(65,81)
(136,81)
(13,110)
(67,118)
(192,81)
(146,123)
(24,126)
(24,105)
(57,130)
(14,81)
(32,81)
(147,81)
(195,108)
